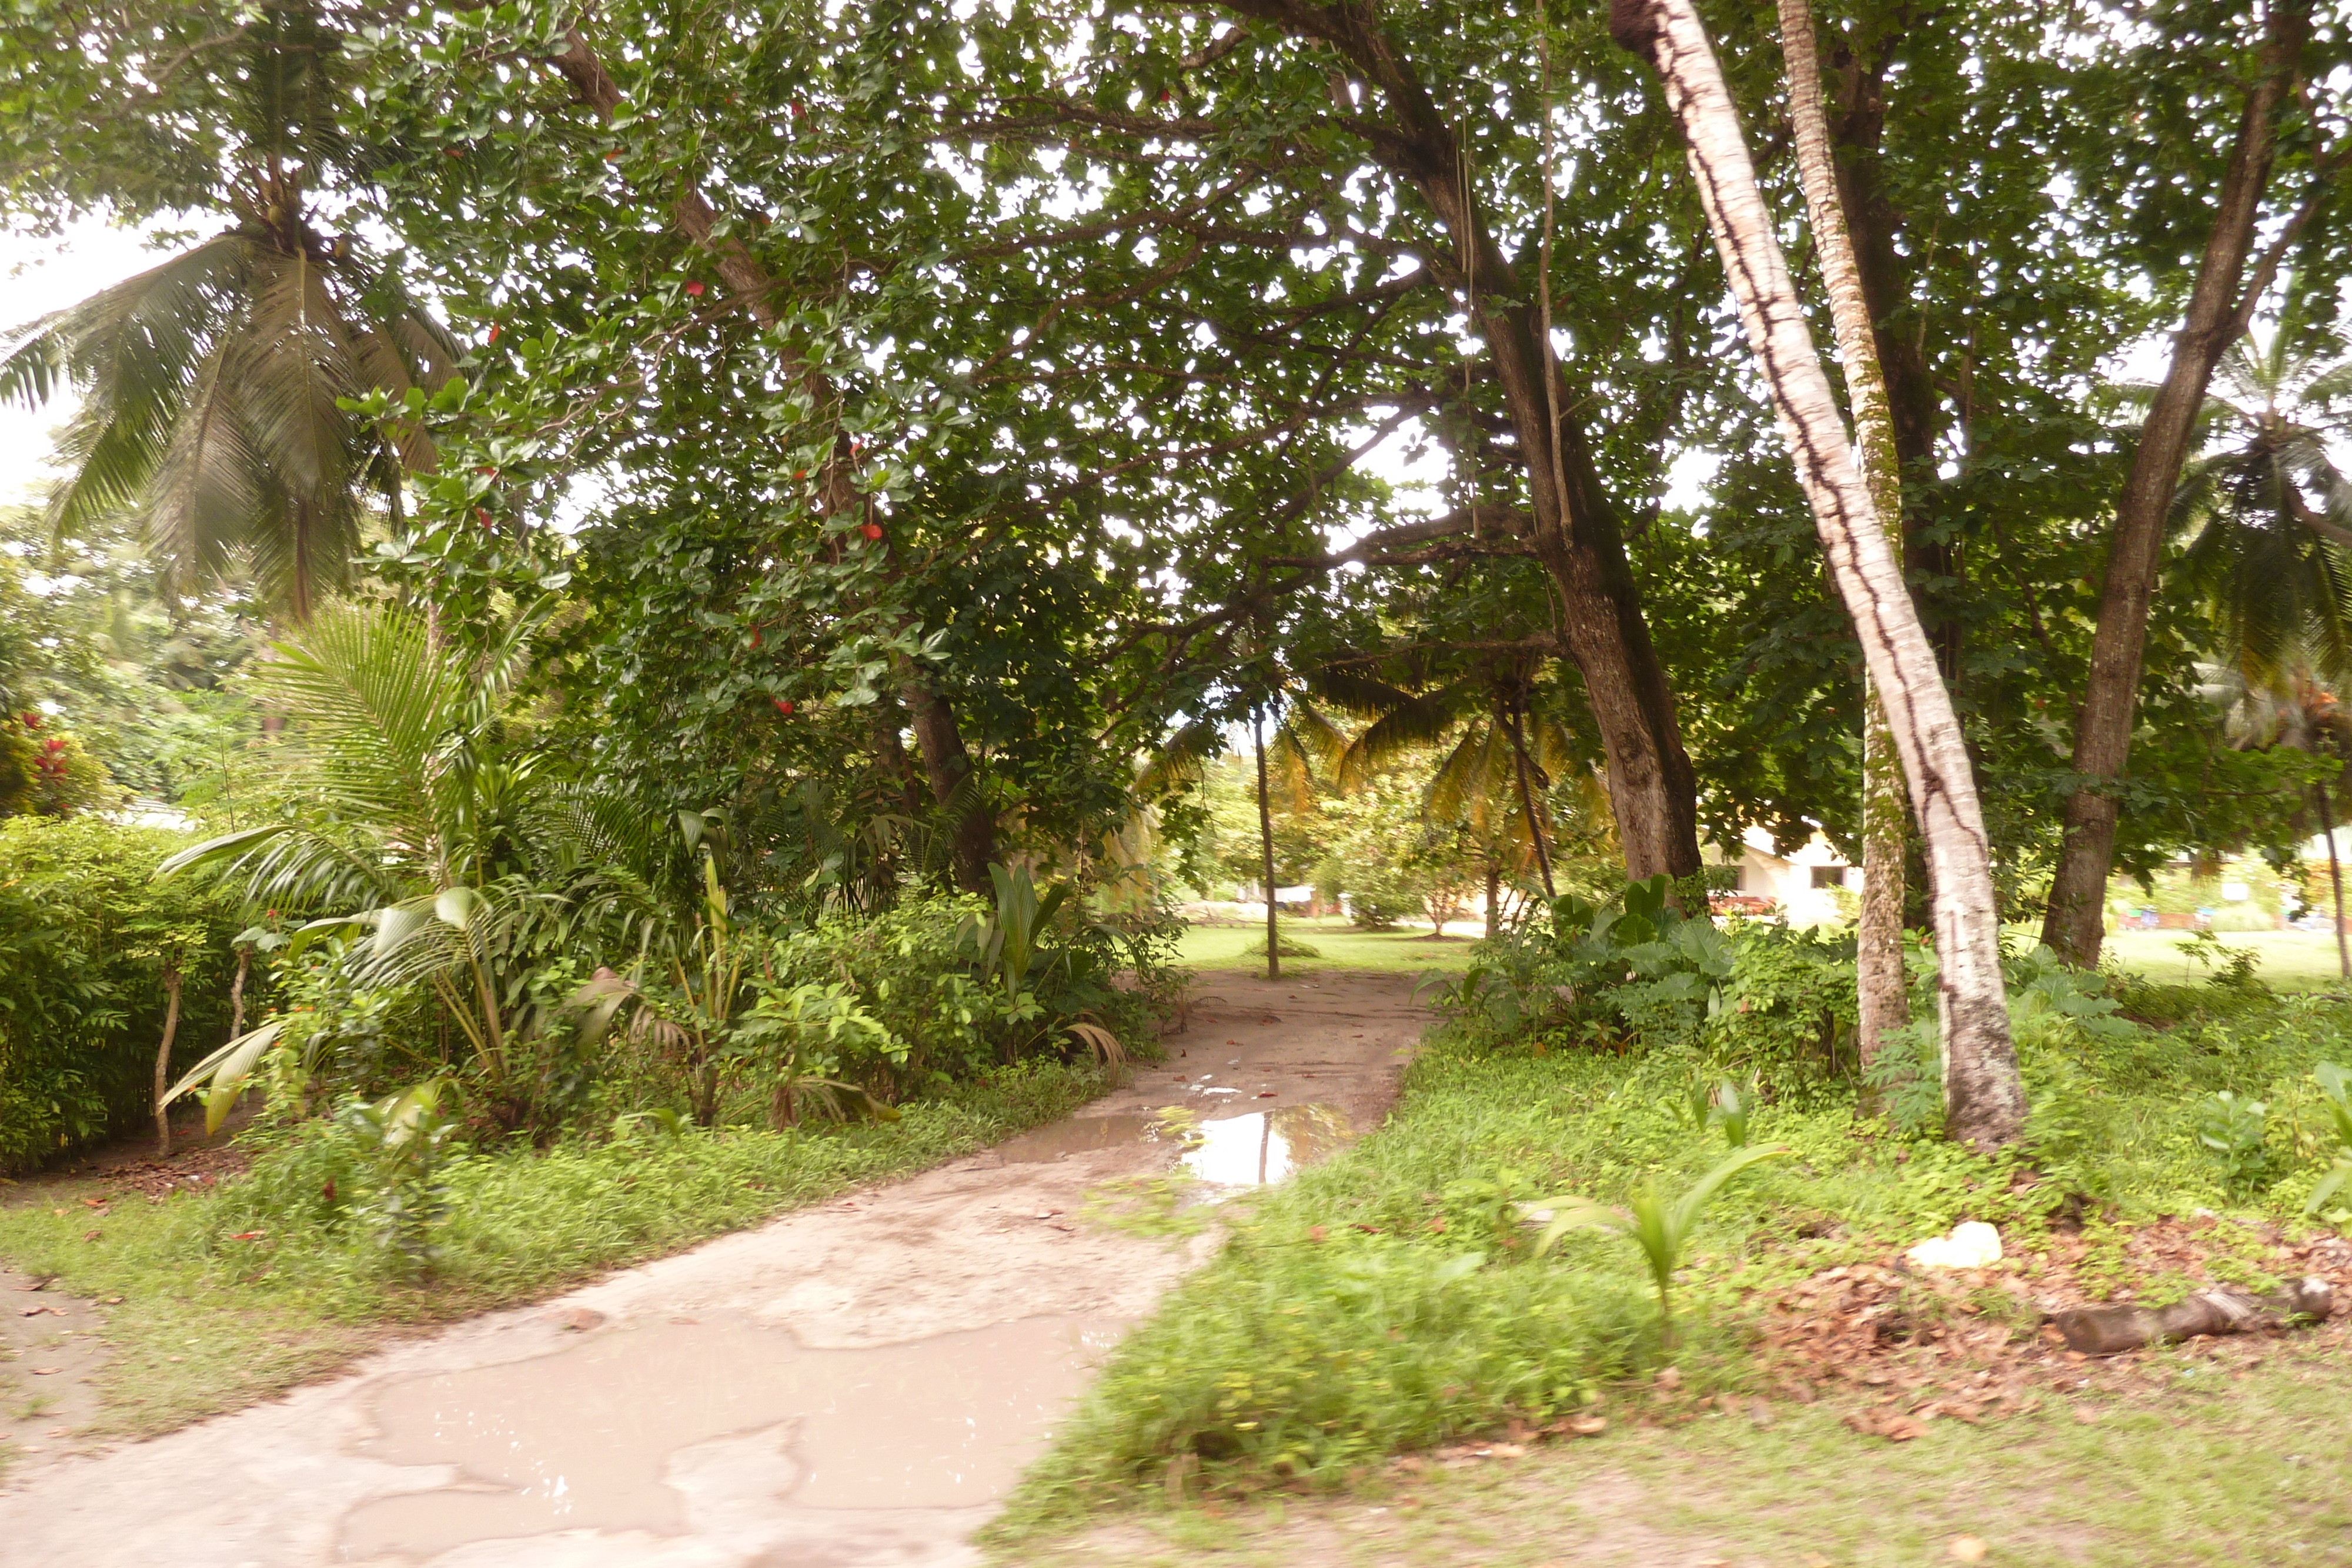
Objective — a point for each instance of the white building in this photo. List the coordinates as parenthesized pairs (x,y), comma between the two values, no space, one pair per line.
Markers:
(1801,887)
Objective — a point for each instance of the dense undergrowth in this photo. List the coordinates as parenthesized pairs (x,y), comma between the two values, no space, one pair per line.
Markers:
(1391,1298)
(229,1295)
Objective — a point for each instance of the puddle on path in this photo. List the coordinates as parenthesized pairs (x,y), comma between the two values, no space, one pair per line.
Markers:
(581,1439)
(1234,1151)
(1264,1146)
(1075,1135)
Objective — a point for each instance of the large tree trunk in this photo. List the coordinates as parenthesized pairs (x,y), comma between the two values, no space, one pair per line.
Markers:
(1265,849)
(1984,1101)
(1881,996)
(2074,924)
(1652,786)
(164,1061)
(946,761)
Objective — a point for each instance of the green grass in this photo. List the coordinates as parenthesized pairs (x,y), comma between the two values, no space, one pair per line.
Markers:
(1340,945)
(1385,1301)
(207,1322)
(2291,960)
(2249,1467)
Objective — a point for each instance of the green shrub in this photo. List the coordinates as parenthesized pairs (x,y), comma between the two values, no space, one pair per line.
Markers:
(86,935)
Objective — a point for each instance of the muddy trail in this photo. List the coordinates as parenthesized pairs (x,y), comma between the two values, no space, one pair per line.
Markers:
(850,1384)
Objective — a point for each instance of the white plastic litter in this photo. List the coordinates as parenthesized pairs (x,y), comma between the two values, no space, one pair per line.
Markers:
(1972,1244)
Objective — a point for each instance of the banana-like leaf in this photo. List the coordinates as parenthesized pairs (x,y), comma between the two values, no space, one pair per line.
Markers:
(212,852)
(458,906)
(226,1070)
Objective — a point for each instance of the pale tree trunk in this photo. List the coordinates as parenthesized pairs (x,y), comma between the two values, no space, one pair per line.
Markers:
(1882,1000)
(164,1061)
(1984,1100)
(237,992)
(2074,924)
(1265,849)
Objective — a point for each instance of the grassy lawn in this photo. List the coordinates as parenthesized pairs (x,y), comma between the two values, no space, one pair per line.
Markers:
(208,1307)
(2291,960)
(1339,946)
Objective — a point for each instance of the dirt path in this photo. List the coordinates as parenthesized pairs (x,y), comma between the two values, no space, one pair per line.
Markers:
(847,1386)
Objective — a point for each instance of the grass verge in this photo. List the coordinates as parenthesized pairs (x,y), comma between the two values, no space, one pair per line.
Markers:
(203,1317)
(2234,1458)
(1387,1301)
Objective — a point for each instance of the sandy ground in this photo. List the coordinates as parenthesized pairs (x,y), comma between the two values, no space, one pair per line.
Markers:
(847,1386)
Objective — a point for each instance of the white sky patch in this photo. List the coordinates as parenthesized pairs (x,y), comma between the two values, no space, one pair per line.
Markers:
(37,276)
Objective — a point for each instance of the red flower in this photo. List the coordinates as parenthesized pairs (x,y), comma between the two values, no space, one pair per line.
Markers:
(872,530)
(482,515)
(694,290)
(494,332)
(784,706)
(53,746)
(614,156)
(32,720)
(755,636)
(487,472)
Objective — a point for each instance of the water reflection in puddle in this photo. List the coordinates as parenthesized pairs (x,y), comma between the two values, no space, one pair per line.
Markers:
(584,1438)
(1234,1151)
(1264,1146)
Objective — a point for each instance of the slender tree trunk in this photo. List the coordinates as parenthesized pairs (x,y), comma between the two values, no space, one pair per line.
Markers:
(237,992)
(1653,788)
(1266,848)
(1883,998)
(1527,799)
(1493,898)
(1882,991)
(2074,924)
(2334,878)
(164,1061)
(1984,1100)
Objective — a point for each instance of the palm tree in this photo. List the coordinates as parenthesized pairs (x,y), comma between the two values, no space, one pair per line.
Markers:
(2285,703)
(448,850)
(2269,513)
(210,385)
(1508,745)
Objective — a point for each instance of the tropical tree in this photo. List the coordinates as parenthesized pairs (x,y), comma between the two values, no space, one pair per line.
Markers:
(1882,989)
(2268,514)
(1984,1097)
(2230,281)
(2283,702)
(212,386)
(449,849)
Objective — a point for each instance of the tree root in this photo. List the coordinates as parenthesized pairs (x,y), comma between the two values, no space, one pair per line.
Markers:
(2110,1331)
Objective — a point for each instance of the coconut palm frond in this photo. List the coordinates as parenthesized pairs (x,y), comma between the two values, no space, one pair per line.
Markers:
(1180,760)
(1408,726)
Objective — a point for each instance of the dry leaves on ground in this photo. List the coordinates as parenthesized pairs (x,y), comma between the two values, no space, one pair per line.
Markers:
(1976,1344)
